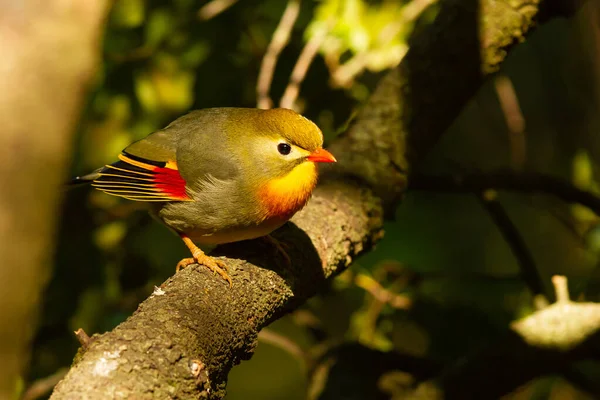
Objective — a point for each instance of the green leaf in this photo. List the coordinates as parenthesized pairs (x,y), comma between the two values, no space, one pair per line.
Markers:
(160,25)
(128,13)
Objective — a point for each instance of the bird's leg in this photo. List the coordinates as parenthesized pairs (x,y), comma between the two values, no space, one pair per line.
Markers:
(199,257)
(279,247)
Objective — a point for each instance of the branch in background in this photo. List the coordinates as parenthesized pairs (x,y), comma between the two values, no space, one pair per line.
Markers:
(280,39)
(515,241)
(214,8)
(365,372)
(543,343)
(381,294)
(445,66)
(286,344)
(42,387)
(306,57)
(546,342)
(515,122)
(523,182)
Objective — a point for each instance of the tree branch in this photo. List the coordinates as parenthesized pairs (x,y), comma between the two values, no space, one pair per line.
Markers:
(511,235)
(523,182)
(195,316)
(184,339)
(444,67)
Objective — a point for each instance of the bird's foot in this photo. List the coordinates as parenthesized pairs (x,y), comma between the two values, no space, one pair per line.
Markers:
(198,257)
(216,266)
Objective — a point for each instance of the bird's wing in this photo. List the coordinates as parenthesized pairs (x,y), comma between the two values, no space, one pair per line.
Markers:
(146,171)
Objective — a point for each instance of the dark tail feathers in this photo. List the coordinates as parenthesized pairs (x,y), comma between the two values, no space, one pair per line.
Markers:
(84,179)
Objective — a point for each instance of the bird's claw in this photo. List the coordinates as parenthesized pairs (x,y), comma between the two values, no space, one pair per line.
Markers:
(216,266)
(186,262)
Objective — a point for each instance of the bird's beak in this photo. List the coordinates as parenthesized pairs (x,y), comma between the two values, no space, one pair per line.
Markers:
(321,155)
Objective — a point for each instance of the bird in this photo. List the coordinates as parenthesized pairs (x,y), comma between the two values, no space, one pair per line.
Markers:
(219,175)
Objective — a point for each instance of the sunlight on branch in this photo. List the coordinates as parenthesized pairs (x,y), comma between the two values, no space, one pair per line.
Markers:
(563,325)
(306,57)
(214,8)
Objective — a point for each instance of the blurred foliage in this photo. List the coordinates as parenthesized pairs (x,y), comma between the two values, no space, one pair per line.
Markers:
(442,281)
(363,35)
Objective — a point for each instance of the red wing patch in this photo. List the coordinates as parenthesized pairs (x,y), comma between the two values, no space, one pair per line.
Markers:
(138,179)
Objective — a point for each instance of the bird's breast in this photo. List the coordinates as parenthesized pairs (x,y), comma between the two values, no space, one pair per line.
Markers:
(282,197)
(221,213)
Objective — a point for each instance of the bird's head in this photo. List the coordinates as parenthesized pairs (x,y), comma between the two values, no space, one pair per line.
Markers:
(285,140)
(284,147)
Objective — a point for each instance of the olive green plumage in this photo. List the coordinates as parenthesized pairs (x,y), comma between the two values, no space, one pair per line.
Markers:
(196,132)
(224,155)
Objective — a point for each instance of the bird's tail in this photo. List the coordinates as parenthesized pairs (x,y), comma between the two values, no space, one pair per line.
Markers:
(84,179)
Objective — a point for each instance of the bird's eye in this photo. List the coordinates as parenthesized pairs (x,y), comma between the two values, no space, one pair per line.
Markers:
(284,148)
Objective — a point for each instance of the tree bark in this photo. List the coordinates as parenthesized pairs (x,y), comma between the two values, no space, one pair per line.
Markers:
(49,54)
(416,102)
(183,340)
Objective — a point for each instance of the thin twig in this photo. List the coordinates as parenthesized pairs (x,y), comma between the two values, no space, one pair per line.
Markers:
(273,338)
(299,72)
(280,39)
(344,74)
(517,245)
(381,294)
(306,319)
(44,385)
(561,289)
(508,180)
(214,8)
(83,338)
(515,122)
(379,297)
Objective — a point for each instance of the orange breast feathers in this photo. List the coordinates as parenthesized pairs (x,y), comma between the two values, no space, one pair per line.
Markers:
(282,197)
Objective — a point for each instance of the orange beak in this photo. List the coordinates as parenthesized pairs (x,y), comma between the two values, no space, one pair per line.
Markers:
(321,155)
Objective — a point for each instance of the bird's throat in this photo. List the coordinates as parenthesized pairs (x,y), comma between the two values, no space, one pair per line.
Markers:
(283,197)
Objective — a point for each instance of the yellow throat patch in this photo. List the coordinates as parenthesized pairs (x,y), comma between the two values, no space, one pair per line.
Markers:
(282,197)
